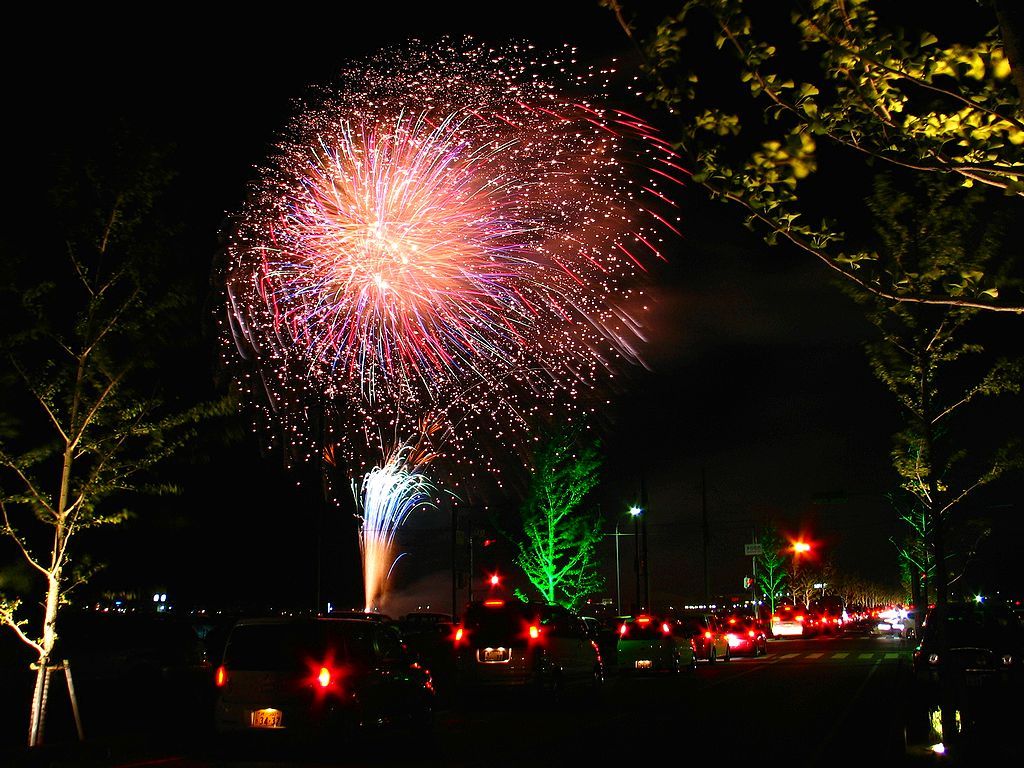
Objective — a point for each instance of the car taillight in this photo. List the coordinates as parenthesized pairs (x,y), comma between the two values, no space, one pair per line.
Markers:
(458,636)
(800,618)
(622,630)
(750,633)
(707,635)
(665,628)
(221,676)
(324,677)
(534,632)
(775,618)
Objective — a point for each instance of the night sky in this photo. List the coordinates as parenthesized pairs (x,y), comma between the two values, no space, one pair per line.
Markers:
(757,406)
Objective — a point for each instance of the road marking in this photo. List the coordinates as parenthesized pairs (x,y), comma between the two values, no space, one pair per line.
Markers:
(840,655)
(892,655)
(789,655)
(866,656)
(815,655)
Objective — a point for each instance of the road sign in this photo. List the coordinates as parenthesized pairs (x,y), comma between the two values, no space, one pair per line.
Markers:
(752,550)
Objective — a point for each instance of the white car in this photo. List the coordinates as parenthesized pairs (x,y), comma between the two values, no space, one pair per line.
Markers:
(788,621)
(898,622)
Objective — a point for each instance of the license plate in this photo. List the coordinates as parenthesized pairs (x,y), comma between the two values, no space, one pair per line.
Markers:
(644,664)
(266,718)
(494,654)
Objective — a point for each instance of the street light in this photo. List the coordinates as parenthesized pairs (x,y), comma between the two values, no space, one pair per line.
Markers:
(635,512)
(618,570)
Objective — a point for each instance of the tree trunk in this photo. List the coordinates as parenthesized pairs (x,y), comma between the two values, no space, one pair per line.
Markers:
(1010,18)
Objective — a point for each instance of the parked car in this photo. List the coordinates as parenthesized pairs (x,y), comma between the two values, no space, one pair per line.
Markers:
(606,635)
(788,621)
(512,644)
(746,635)
(647,643)
(969,656)
(707,636)
(428,639)
(320,678)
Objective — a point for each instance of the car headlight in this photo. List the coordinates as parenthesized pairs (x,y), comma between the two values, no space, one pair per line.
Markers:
(933,658)
(1008,659)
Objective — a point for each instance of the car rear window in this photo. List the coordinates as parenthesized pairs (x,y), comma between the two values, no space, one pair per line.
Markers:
(500,625)
(286,647)
(637,631)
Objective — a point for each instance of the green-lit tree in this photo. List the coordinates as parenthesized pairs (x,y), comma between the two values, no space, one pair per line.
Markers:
(771,569)
(559,538)
(781,107)
(84,415)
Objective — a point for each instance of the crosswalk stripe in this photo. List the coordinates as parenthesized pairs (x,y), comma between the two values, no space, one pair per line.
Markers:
(789,655)
(815,655)
(841,655)
(866,656)
(892,655)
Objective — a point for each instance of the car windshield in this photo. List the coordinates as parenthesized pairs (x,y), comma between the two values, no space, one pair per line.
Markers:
(290,646)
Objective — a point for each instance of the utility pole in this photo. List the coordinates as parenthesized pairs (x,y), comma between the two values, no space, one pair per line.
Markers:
(455,560)
(644,561)
(705,535)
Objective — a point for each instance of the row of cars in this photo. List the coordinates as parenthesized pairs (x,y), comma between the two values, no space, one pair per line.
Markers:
(315,675)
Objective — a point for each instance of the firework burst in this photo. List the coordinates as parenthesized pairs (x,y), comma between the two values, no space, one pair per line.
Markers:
(455,232)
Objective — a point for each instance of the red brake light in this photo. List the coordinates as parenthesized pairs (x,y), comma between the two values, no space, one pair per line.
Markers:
(459,634)
(665,628)
(775,618)
(643,620)
(221,677)
(622,630)
(707,635)
(324,677)
(799,618)
(494,603)
(750,633)
(534,632)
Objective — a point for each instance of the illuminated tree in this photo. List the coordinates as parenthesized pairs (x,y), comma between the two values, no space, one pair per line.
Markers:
(782,108)
(771,571)
(559,540)
(931,359)
(82,416)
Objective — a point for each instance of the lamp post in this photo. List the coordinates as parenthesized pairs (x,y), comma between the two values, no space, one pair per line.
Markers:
(618,570)
(618,580)
(635,512)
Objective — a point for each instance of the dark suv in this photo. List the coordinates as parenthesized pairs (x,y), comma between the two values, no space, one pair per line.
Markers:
(969,660)
(320,677)
(515,644)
